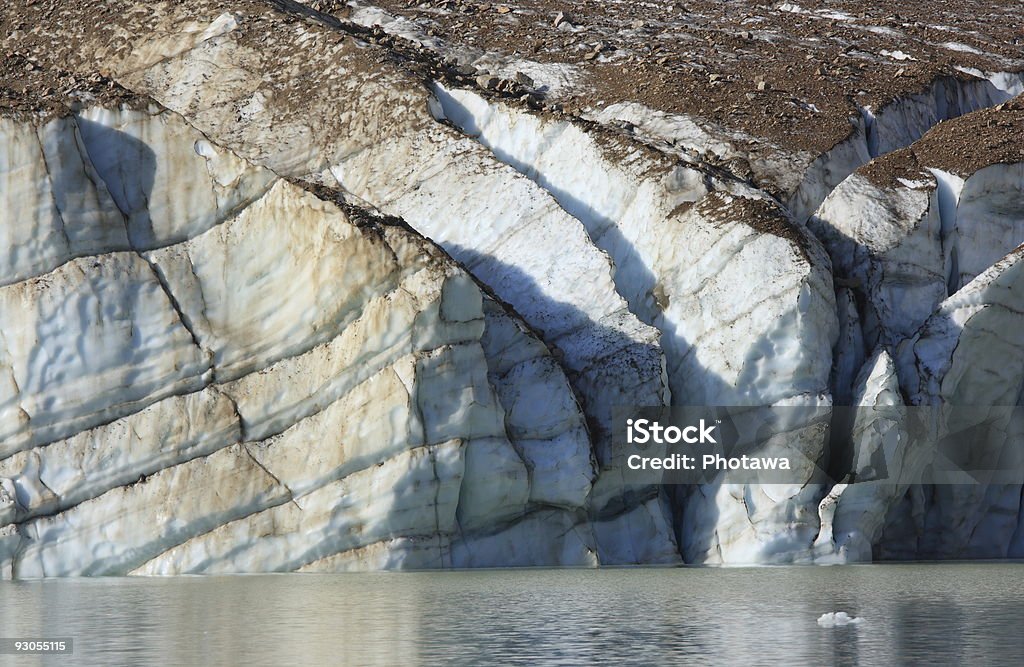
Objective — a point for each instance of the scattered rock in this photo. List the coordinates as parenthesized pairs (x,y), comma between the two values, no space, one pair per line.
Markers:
(488,81)
(524,80)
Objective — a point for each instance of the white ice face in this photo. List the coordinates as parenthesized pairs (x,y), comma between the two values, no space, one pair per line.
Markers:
(184,370)
(206,367)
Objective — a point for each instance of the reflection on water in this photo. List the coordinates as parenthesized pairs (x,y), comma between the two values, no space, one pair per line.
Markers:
(937,614)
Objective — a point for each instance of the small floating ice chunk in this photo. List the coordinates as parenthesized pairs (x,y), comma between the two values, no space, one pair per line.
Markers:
(832,619)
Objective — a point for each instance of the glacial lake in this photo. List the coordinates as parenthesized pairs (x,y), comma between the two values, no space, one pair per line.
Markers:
(953,614)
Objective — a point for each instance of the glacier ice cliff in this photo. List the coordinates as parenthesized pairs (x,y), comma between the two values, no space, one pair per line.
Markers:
(285,289)
(254,338)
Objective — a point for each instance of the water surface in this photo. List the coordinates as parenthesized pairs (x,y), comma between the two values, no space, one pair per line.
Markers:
(914,614)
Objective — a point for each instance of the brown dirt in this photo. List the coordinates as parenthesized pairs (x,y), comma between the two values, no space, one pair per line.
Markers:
(760,214)
(743,64)
(793,79)
(960,146)
(31,88)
